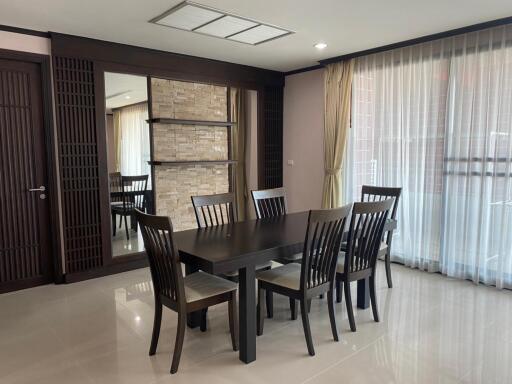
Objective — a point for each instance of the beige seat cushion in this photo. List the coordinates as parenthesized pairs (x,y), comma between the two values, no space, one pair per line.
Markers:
(340,267)
(258,268)
(291,258)
(286,276)
(201,285)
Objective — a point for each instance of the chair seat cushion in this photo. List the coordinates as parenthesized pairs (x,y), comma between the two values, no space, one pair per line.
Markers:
(258,268)
(291,258)
(201,285)
(121,207)
(287,276)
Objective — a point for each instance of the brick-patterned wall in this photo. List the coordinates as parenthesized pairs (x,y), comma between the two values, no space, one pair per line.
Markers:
(175,185)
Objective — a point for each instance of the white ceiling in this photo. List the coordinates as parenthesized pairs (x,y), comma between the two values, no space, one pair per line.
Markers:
(122,89)
(345,25)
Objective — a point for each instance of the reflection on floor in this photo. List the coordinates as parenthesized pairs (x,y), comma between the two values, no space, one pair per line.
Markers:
(121,246)
(432,330)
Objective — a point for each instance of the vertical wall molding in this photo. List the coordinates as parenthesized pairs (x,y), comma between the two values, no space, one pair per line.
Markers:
(79,163)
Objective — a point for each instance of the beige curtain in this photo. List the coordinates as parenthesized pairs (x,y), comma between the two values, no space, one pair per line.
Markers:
(238,146)
(117,139)
(338,87)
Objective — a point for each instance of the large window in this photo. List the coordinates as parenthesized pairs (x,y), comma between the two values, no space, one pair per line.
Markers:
(435,119)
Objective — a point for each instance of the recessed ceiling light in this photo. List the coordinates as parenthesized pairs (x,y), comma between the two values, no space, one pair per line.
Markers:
(205,20)
(127,97)
(320,45)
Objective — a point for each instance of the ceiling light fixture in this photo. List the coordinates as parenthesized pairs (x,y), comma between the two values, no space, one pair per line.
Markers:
(198,18)
(127,97)
(320,45)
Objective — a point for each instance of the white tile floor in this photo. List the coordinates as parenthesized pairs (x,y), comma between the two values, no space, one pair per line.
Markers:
(432,330)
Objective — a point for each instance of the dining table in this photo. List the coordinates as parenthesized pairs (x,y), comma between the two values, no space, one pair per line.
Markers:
(242,246)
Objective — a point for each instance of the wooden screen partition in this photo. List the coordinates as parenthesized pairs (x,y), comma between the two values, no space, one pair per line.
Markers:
(79,164)
(271,140)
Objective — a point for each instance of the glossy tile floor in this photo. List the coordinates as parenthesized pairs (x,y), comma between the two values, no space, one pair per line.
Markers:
(433,330)
(121,246)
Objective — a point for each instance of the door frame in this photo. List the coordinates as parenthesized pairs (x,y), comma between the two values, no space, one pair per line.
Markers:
(55,234)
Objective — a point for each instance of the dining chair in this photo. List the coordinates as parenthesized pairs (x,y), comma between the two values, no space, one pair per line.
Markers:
(183,295)
(133,194)
(373,193)
(316,273)
(220,209)
(359,259)
(270,203)
(114,180)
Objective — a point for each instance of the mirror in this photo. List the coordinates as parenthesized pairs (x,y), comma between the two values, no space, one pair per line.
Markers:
(128,153)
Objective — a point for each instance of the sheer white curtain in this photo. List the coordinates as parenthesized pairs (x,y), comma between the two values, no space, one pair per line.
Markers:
(135,150)
(435,119)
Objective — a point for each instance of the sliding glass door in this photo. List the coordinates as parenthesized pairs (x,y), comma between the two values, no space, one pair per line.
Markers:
(435,119)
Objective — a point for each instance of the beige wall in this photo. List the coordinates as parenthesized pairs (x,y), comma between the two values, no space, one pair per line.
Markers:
(111,153)
(303,135)
(25,43)
(251,155)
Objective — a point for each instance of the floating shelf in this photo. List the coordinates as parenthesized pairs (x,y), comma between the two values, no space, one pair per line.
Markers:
(192,162)
(161,120)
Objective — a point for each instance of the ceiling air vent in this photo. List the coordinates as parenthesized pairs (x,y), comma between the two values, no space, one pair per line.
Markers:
(193,17)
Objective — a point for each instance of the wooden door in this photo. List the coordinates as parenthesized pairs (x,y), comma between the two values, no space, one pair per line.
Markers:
(24,204)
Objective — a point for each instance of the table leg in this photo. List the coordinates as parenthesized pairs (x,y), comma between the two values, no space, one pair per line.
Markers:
(193,318)
(247,310)
(363,293)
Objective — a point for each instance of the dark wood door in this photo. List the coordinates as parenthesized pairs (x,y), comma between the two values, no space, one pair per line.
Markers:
(24,238)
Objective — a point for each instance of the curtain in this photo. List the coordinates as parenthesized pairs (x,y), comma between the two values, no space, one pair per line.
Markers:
(117,139)
(238,150)
(134,148)
(338,83)
(435,119)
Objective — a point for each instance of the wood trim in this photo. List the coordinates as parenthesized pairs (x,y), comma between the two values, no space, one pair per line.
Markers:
(50,138)
(24,31)
(165,64)
(191,162)
(419,40)
(305,69)
(129,105)
(204,123)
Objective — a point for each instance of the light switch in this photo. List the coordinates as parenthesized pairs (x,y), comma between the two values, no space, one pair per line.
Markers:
(290,163)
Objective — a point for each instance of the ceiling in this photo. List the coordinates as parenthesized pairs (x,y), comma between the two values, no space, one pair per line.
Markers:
(122,89)
(345,25)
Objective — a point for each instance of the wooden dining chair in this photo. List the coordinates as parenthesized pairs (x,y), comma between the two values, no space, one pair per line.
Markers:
(133,195)
(373,193)
(191,293)
(359,259)
(270,203)
(316,273)
(220,209)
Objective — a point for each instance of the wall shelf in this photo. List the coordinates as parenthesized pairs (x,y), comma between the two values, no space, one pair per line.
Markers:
(192,162)
(162,120)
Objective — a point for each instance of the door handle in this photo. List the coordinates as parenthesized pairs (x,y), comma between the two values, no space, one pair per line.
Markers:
(42,188)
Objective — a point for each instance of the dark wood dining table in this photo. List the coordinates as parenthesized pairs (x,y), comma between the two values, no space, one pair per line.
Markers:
(241,246)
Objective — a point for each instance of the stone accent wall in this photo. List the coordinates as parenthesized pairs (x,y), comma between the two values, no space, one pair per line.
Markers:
(175,185)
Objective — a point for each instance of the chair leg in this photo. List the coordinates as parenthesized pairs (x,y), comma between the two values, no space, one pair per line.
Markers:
(233,321)
(339,290)
(178,345)
(157,322)
(293,308)
(309,305)
(350,309)
(126,227)
(321,296)
(305,324)
(260,318)
(373,298)
(113,223)
(270,304)
(203,319)
(387,261)
(332,315)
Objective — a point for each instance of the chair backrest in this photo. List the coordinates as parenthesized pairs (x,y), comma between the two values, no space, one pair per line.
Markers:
(365,234)
(164,262)
(373,193)
(134,191)
(212,210)
(114,179)
(322,243)
(269,202)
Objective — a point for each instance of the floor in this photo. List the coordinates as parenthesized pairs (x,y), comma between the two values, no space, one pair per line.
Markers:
(433,330)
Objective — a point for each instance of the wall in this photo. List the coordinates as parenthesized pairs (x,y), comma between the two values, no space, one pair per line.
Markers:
(175,184)
(24,43)
(303,135)
(111,153)
(251,155)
